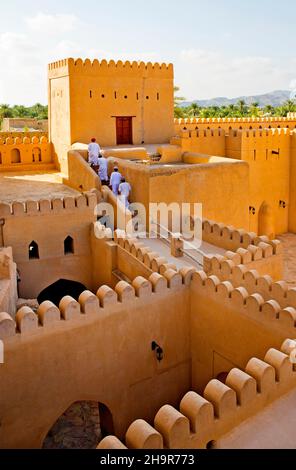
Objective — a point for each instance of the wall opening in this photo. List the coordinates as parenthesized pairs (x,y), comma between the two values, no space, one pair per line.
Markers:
(68,245)
(81,426)
(15,156)
(0,158)
(33,250)
(59,289)
(157,96)
(90,93)
(36,154)
(212,445)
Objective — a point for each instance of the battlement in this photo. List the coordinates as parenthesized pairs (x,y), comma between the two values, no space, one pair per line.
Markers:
(253,305)
(45,206)
(15,140)
(272,119)
(241,133)
(240,276)
(230,238)
(201,133)
(242,256)
(229,124)
(79,66)
(29,134)
(152,260)
(257,133)
(89,304)
(202,419)
(23,151)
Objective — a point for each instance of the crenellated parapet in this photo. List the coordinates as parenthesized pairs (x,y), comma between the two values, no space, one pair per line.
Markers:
(202,420)
(108,68)
(231,238)
(234,295)
(63,205)
(230,124)
(152,260)
(17,152)
(240,276)
(106,300)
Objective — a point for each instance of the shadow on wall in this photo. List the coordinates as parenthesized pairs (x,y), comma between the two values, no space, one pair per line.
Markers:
(266,221)
(81,426)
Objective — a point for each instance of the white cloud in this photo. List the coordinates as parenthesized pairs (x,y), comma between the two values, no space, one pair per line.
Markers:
(52,24)
(206,74)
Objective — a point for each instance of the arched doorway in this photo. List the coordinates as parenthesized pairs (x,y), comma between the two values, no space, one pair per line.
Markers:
(266,221)
(15,156)
(56,291)
(82,426)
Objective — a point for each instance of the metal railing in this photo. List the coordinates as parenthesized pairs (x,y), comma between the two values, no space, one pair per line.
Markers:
(193,247)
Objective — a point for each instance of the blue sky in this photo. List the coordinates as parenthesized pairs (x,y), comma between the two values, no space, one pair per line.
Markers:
(219,47)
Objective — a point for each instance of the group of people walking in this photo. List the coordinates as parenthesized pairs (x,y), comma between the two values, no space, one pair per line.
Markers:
(99,164)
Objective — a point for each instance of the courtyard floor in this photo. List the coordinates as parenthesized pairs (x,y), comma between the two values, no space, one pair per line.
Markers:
(21,186)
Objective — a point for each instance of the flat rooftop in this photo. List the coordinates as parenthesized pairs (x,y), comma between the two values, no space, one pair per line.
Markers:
(21,186)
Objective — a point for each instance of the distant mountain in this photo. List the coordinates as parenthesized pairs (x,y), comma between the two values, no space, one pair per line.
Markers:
(275,98)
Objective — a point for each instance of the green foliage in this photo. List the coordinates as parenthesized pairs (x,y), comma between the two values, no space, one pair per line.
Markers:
(37,111)
(240,109)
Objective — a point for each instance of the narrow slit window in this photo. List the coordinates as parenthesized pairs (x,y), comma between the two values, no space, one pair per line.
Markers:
(90,93)
(157,96)
(115,94)
(33,250)
(138,98)
(68,246)
(254,154)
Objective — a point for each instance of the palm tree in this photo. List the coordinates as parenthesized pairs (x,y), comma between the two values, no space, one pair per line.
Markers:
(5,111)
(290,106)
(242,107)
(194,110)
(269,109)
(254,109)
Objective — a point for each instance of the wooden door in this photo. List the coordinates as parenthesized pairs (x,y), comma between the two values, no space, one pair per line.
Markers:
(124,130)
